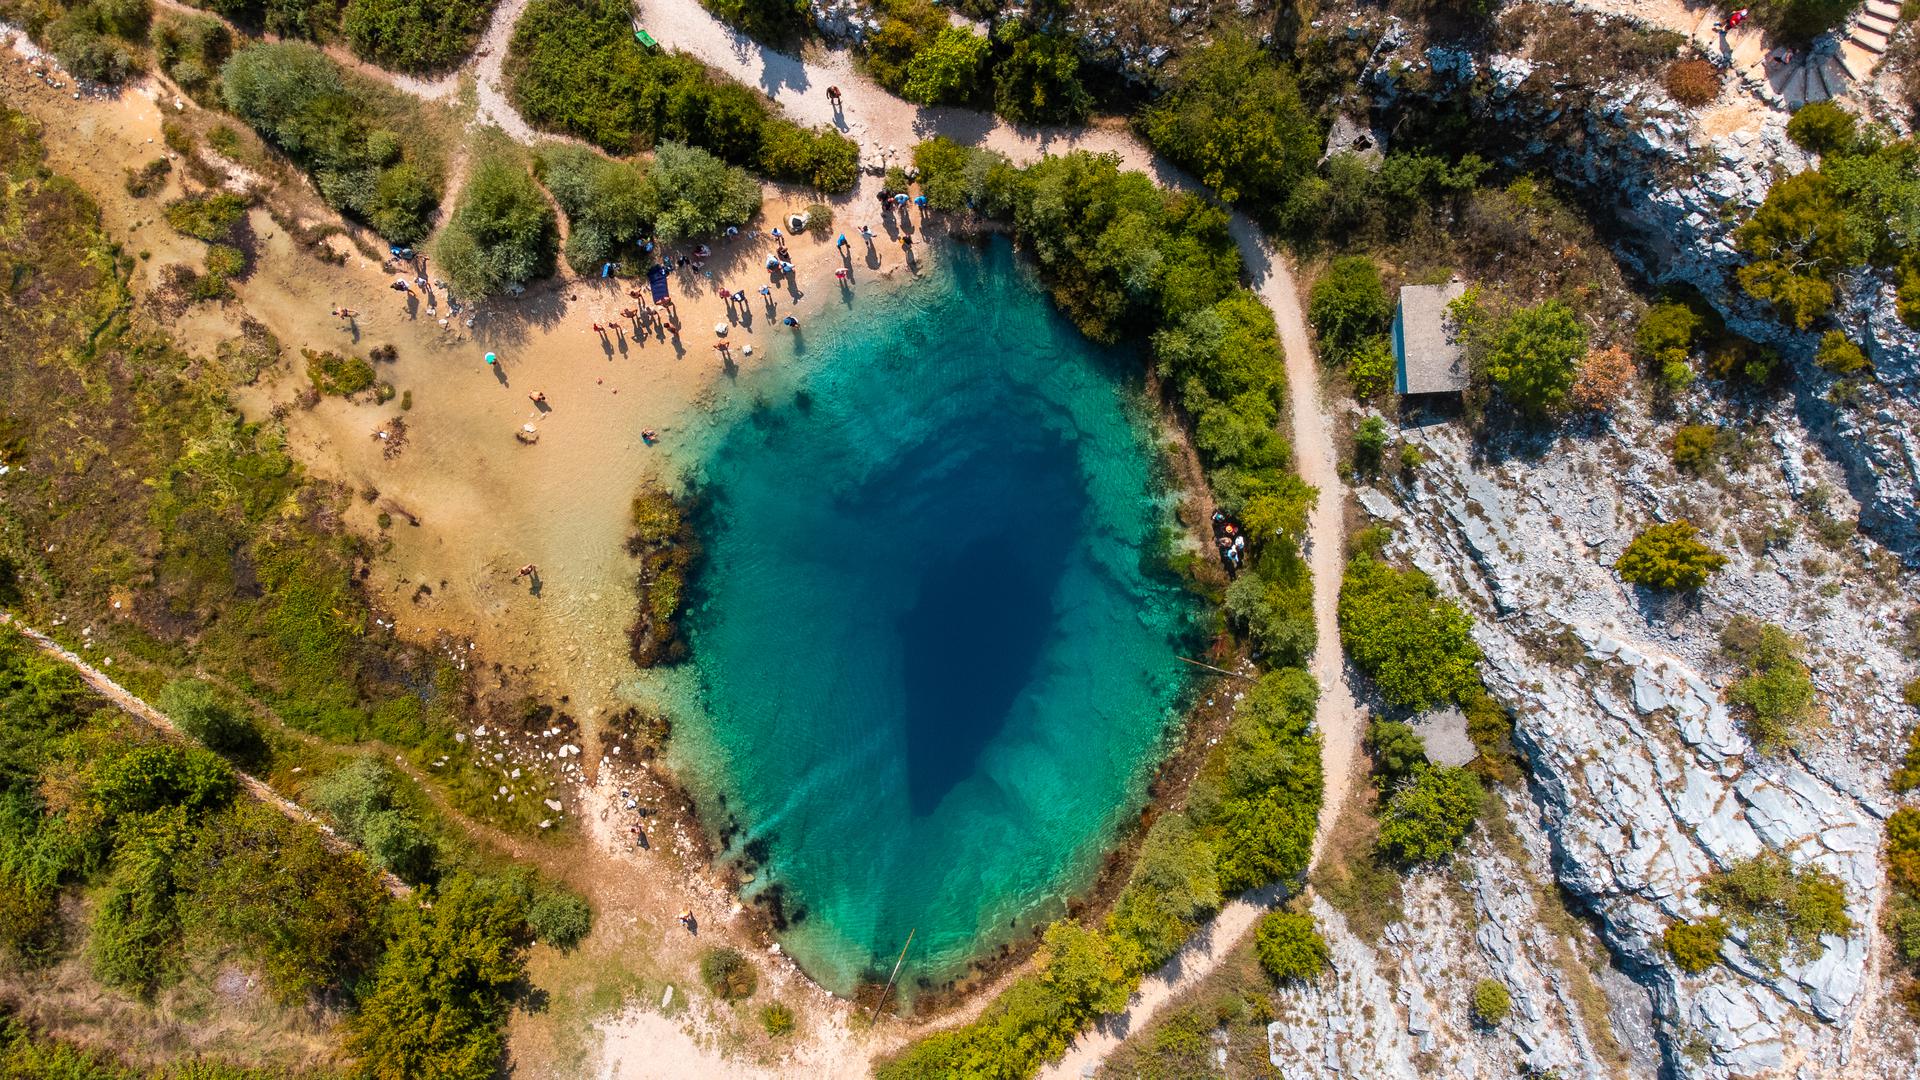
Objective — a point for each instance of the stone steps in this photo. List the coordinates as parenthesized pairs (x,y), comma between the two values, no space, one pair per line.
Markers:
(1869,39)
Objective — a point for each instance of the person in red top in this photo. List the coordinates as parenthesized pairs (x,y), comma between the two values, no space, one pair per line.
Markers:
(1735,19)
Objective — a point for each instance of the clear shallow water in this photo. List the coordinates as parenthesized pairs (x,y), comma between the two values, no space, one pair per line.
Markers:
(933,661)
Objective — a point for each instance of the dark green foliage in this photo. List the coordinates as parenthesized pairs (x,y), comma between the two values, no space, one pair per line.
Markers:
(439,997)
(1426,818)
(1781,910)
(777,22)
(301,102)
(1037,80)
(907,28)
(502,232)
(1669,556)
(1274,602)
(1529,355)
(363,800)
(155,776)
(287,18)
(1824,128)
(692,193)
(269,887)
(951,70)
(575,68)
(560,919)
(1799,20)
(1224,361)
(1415,644)
(1799,241)
(1491,1002)
(190,50)
(1879,188)
(1695,946)
(1289,946)
(1174,886)
(1257,797)
(1080,967)
(1369,446)
(728,974)
(197,710)
(134,942)
(1397,751)
(1695,447)
(955,177)
(1774,695)
(88,39)
(1348,306)
(1352,199)
(1234,119)
(414,35)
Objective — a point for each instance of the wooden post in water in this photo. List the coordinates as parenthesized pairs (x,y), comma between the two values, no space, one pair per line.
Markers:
(1221,670)
(875,1017)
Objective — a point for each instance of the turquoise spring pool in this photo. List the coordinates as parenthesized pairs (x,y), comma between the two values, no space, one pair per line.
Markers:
(933,646)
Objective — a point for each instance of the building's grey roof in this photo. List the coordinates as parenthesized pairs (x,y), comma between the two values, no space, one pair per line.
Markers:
(1429,359)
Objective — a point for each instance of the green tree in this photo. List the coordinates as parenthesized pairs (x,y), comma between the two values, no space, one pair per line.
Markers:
(1839,355)
(1348,306)
(693,193)
(1669,556)
(363,800)
(1397,750)
(414,35)
(1079,965)
(1425,818)
(135,938)
(1782,910)
(502,231)
(1173,886)
(1234,117)
(1798,241)
(1369,446)
(1289,946)
(1695,946)
(729,975)
(192,704)
(776,21)
(1533,355)
(1774,696)
(1415,644)
(560,919)
(950,70)
(606,202)
(439,998)
(1491,1002)
(1823,127)
(1038,80)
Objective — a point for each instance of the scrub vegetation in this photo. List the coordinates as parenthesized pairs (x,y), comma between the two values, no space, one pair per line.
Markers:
(189,542)
(1026,70)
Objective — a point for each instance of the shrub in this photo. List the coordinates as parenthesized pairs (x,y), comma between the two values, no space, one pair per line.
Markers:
(156,776)
(776,1019)
(1669,556)
(1425,818)
(363,802)
(149,178)
(1695,946)
(1348,305)
(1491,1002)
(502,231)
(1235,119)
(1530,355)
(775,21)
(80,39)
(301,102)
(560,919)
(1693,82)
(1080,967)
(1798,241)
(1823,127)
(951,70)
(439,999)
(1289,946)
(192,705)
(1903,850)
(341,376)
(820,158)
(1605,380)
(414,35)
(907,28)
(609,204)
(1667,332)
(1910,693)
(728,974)
(1174,886)
(695,194)
(1801,20)
(1839,355)
(1415,644)
(207,217)
(1037,81)
(1775,696)
(1257,795)
(286,18)
(1780,909)
(190,50)
(1695,447)
(1397,750)
(1369,446)
(135,939)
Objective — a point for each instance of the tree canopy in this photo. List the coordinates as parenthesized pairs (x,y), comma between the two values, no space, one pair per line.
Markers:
(502,232)
(1415,644)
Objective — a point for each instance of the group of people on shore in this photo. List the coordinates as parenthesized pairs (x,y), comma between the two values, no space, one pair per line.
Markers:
(1230,539)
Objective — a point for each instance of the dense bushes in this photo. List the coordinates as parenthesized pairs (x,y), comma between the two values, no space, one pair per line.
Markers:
(1256,798)
(197,710)
(415,35)
(728,975)
(90,39)
(1037,79)
(190,50)
(362,799)
(775,21)
(1780,910)
(1798,242)
(1669,556)
(1774,694)
(335,129)
(1490,1002)
(1799,20)
(1903,910)
(1427,816)
(692,193)
(502,231)
(575,67)
(608,204)
(1414,643)
(1529,356)
(1348,305)
(285,18)
(951,70)
(1695,946)
(1234,119)
(1289,946)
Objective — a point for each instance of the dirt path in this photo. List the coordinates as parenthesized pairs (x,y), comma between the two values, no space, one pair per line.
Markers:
(133,705)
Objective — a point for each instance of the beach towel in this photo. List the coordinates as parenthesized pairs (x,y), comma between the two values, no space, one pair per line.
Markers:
(657,281)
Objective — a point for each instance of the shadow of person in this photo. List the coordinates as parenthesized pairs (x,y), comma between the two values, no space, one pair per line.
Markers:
(606,344)
(846,292)
(534,584)
(499,372)
(620,338)
(413,306)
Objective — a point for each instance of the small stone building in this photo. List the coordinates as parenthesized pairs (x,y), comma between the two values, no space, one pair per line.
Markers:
(1427,357)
